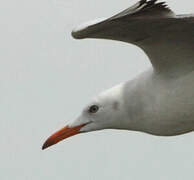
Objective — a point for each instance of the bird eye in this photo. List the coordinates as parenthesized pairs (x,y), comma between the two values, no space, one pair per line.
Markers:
(93,109)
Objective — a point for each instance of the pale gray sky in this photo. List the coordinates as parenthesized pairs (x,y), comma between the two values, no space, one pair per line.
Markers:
(47,77)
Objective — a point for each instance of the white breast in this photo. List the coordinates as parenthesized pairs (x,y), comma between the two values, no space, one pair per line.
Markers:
(161,106)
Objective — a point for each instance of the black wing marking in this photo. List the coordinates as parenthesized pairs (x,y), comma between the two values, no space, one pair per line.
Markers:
(146,8)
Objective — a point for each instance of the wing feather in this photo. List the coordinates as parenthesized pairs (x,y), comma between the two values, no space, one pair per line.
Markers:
(166,38)
(146,8)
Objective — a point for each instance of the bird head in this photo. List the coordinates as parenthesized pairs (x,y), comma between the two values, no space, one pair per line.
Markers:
(104,112)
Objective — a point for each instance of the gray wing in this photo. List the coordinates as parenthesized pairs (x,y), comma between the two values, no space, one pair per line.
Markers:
(167,39)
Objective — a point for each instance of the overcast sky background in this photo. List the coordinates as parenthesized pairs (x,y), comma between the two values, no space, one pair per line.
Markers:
(46,79)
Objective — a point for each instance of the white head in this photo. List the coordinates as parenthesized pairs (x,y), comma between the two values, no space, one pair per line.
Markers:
(104,112)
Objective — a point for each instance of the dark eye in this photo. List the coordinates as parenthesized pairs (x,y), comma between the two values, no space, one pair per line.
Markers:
(93,109)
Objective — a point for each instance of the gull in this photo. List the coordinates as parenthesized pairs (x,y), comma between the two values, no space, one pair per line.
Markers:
(159,101)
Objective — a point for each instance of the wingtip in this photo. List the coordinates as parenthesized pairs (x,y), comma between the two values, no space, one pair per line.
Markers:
(88,29)
(76,34)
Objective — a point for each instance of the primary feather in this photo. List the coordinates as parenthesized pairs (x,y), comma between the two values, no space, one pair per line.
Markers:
(146,8)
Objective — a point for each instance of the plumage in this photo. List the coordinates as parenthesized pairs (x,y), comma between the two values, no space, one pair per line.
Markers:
(159,101)
(165,37)
(146,8)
